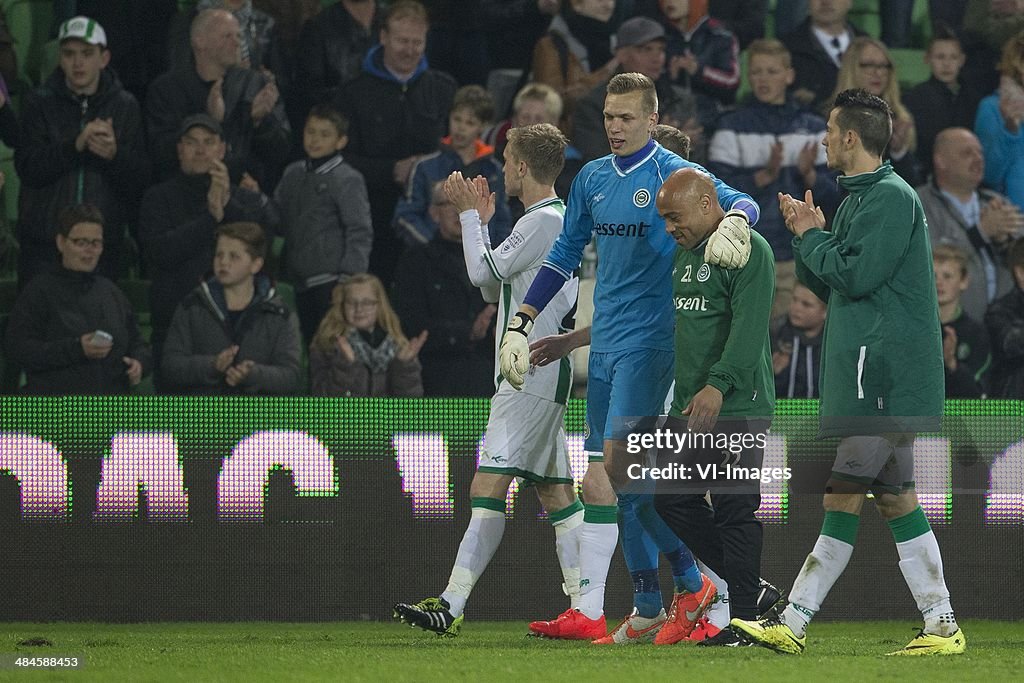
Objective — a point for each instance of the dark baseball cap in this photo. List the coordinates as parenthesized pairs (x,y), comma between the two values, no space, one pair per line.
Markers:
(203,121)
(637,31)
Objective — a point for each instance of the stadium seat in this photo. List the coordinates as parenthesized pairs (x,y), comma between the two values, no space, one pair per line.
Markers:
(910,67)
(744,89)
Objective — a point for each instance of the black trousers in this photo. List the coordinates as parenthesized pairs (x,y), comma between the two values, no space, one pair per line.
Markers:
(725,535)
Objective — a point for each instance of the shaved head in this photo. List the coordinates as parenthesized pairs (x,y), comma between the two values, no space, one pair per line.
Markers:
(958,161)
(689,204)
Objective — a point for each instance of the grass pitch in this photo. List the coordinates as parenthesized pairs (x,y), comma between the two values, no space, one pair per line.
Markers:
(488,651)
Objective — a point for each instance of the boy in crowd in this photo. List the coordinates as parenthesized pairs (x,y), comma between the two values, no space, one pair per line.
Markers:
(462,150)
(940,102)
(1005,323)
(796,353)
(769,146)
(965,349)
(325,216)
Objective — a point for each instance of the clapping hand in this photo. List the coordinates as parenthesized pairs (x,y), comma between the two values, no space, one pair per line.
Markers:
(466,194)
(412,349)
(801,216)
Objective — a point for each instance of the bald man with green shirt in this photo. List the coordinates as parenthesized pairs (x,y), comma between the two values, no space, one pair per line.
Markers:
(722,370)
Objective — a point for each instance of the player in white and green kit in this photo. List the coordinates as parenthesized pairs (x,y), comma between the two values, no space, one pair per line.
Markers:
(525,436)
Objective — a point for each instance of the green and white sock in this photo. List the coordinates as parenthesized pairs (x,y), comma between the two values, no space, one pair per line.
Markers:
(821,569)
(568,523)
(486,527)
(921,564)
(598,538)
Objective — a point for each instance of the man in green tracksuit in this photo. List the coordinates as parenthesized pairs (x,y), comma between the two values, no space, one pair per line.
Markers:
(723,370)
(881,373)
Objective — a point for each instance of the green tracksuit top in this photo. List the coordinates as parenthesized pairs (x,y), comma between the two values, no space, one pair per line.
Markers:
(721,332)
(881,360)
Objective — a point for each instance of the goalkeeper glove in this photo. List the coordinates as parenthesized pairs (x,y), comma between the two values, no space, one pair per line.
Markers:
(729,245)
(514,352)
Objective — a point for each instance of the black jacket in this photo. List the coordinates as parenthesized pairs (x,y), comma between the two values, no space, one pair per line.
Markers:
(1005,323)
(936,107)
(799,379)
(46,325)
(261,150)
(176,232)
(331,50)
(389,121)
(433,292)
(814,68)
(266,332)
(973,356)
(54,174)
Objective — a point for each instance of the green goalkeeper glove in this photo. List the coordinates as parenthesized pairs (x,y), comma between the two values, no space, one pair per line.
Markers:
(514,352)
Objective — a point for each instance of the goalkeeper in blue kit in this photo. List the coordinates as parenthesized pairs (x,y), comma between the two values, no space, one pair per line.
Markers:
(612,199)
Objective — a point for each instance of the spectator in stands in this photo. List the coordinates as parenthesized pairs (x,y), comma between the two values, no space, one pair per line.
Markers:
(232,334)
(1005,323)
(535,103)
(640,48)
(998,125)
(72,330)
(136,34)
(325,217)
(243,101)
(513,29)
(817,47)
(179,218)
(965,348)
(332,47)
(258,47)
(82,141)
(988,25)
(770,146)
(940,102)
(867,65)
(359,349)
(980,222)
(576,53)
(796,345)
(703,56)
(462,150)
(397,110)
(432,292)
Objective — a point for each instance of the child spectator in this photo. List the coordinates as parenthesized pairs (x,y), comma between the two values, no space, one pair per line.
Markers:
(72,330)
(867,65)
(796,348)
(940,102)
(965,348)
(359,349)
(1005,323)
(462,150)
(233,334)
(703,56)
(770,146)
(325,216)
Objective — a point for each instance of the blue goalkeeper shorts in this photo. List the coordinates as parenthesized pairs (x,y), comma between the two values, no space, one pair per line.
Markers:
(624,388)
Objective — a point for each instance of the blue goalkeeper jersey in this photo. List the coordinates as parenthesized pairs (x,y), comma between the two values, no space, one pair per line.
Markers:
(633,295)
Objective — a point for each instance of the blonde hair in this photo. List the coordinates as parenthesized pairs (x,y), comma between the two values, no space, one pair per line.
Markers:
(847,80)
(542,147)
(769,47)
(625,83)
(334,324)
(1012,62)
(541,92)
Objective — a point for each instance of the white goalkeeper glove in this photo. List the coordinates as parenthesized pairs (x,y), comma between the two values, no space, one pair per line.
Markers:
(729,245)
(514,352)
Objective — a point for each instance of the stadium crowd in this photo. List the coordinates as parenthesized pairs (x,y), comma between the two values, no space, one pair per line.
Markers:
(266,176)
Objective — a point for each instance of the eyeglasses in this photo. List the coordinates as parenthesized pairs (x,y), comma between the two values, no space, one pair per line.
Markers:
(874,66)
(83,242)
(361,303)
